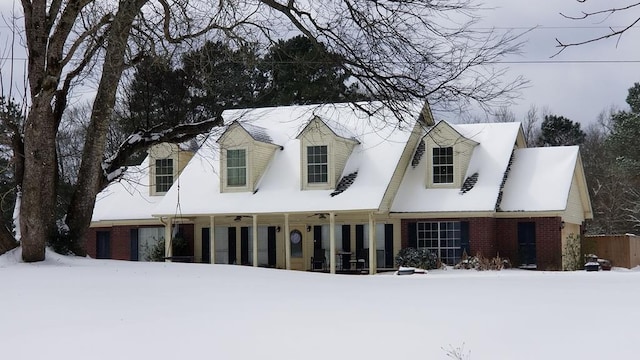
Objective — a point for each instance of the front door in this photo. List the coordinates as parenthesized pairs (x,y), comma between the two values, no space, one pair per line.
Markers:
(527,243)
(296,242)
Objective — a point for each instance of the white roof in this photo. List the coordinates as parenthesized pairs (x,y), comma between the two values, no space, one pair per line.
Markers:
(489,159)
(128,198)
(382,140)
(540,179)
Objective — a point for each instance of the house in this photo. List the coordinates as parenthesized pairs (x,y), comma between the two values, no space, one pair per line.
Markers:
(342,187)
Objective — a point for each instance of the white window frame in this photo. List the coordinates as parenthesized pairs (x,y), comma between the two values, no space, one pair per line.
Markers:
(159,185)
(238,167)
(320,164)
(442,237)
(447,166)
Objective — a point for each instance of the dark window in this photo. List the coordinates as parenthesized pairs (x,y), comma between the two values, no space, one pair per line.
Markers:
(317,164)
(164,175)
(441,237)
(236,167)
(443,165)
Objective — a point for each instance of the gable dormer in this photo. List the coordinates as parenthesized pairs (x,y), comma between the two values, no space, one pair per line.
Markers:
(245,152)
(448,154)
(166,162)
(325,147)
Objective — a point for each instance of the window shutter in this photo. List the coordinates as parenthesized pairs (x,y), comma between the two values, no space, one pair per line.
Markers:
(346,238)
(464,237)
(413,235)
(388,244)
(359,239)
(206,246)
(271,245)
(244,245)
(232,245)
(133,244)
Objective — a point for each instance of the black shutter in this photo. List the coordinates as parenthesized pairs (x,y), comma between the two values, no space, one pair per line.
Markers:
(133,245)
(317,237)
(346,238)
(244,245)
(359,240)
(388,245)
(413,235)
(232,245)
(206,246)
(271,245)
(464,237)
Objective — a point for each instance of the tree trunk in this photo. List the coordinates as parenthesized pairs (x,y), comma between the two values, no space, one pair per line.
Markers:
(91,174)
(7,242)
(37,209)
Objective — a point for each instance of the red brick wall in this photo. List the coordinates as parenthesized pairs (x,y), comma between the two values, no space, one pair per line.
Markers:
(548,241)
(491,237)
(121,240)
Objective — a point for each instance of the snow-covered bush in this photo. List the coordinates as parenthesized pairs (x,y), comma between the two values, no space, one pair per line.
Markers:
(481,263)
(418,258)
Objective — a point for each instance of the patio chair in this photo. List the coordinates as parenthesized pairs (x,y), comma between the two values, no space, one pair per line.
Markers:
(318,260)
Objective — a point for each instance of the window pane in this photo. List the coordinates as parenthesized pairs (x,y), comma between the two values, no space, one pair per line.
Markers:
(443,165)
(236,167)
(164,174)
(317,167)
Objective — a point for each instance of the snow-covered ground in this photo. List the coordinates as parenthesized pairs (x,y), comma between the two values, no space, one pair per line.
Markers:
(71,308)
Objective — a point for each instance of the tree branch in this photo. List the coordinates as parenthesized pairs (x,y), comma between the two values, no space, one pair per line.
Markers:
(114,166)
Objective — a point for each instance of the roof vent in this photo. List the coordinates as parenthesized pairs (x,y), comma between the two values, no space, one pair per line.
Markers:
(469,183)
(344,183)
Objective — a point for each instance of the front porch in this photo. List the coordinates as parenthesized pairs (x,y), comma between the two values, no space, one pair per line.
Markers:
(345,243)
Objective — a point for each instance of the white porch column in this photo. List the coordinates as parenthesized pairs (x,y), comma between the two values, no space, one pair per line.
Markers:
(212,239)
(332,243)
(168,249)
(287,243)
(372,245)
(255,240)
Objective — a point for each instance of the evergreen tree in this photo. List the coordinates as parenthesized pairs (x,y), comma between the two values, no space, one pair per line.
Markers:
(560,131)
(305,72)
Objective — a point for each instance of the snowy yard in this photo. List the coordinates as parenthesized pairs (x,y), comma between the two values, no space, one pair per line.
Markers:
(69,308)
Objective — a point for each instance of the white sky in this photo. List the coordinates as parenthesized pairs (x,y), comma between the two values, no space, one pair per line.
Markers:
(75,308)
(579,91)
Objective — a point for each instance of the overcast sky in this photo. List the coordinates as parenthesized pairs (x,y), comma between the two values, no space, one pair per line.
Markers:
(578,84)
(592,77)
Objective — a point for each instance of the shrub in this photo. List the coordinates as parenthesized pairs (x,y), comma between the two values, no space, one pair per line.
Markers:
(418,258)
(179,245)
(481,263)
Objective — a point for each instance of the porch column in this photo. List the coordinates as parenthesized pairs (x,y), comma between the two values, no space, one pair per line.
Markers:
(255,240)
(168,249)
(332,243)
(372,245)
(212,240)
(287,244)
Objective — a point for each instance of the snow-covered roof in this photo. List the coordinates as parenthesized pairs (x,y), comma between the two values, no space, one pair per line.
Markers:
(489,159)
(258,133)
(128,198)
(540,179)
(382,140)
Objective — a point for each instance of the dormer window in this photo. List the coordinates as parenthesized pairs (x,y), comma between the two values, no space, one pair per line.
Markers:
(236,167)
(164,175)
(317,165)
(443,165)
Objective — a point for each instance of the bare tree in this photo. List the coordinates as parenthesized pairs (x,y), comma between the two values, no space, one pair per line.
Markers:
(600,15)
(397,50)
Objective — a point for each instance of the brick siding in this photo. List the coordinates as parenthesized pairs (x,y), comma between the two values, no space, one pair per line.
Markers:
(491,237)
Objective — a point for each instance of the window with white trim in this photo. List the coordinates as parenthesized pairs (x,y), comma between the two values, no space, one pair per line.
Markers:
(443,165)
(317,164)
(236,167)
(442,238)
(164,175)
